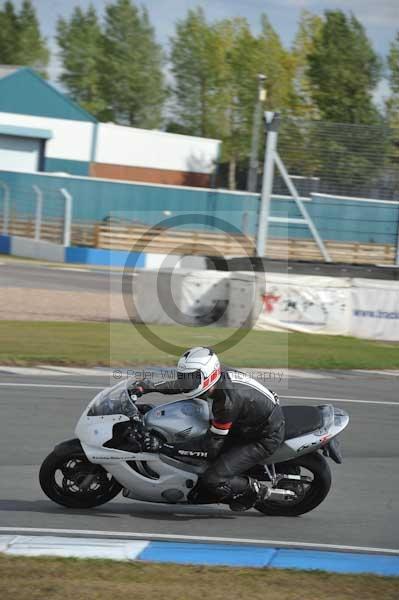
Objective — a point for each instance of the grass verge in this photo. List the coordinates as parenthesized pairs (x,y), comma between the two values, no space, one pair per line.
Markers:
(73,579)
(118,344)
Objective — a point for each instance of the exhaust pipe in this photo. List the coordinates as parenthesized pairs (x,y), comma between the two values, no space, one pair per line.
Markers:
(280,494)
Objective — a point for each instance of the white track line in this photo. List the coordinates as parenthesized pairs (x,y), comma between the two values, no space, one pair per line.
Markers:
(341,400)
(195,538)
(92,387)
(52,385)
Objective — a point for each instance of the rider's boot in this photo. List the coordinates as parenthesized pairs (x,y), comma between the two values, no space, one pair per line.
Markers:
(257,491)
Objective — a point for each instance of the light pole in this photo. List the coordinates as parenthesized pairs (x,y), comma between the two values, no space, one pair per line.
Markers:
(252,179)
(272,121)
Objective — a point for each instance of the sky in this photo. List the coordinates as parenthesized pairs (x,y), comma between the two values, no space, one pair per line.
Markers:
(379,17)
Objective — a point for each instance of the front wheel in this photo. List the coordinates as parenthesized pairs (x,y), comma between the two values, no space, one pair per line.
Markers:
(70,479)
(309,494)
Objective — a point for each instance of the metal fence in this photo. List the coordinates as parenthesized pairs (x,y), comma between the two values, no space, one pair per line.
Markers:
(340,158)
(36,212)
(349,175)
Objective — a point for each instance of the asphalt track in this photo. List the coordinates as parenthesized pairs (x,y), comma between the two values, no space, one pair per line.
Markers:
(362,509)
(30,275)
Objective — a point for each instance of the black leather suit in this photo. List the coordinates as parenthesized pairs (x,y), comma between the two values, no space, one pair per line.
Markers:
(247,426)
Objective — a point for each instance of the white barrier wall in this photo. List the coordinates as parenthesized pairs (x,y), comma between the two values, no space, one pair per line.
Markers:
(118,145)
(306,304)
(154,300)
(205,296)
(40,250)
(72,140)
(364,308)
(169,297)
(246,299)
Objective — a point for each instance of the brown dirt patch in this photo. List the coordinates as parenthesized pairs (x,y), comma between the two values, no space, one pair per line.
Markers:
(20,304)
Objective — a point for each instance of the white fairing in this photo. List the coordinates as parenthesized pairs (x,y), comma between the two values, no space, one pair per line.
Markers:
(156,478)
(94,431)
(308,442)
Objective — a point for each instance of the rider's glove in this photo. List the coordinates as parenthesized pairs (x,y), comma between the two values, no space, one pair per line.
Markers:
(151,443)
(138,388)
(276,397)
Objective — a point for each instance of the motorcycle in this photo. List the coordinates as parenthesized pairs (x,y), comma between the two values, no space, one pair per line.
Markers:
(106,457)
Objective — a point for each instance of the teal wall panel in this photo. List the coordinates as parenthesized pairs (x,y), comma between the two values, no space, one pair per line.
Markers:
(61,165)
(337,218)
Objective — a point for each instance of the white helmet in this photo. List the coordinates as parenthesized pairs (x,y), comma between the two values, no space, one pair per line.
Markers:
(198,370)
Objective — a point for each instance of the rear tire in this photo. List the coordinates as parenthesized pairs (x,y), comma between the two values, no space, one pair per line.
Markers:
(318,490)
(65,474)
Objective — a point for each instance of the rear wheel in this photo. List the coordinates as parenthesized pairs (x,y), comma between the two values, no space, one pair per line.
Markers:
(309,493)
(68,478)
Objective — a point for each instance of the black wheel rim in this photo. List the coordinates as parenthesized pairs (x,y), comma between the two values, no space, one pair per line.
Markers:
(77,478)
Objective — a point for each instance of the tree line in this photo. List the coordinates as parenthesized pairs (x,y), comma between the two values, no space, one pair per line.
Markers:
(206,84)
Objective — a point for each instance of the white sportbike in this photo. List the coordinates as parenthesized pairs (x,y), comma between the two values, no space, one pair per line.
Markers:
(106,457)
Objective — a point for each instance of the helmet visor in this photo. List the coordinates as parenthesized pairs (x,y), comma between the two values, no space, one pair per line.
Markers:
(189,381)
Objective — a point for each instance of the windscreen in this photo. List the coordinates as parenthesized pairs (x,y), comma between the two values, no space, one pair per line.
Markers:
(113,401)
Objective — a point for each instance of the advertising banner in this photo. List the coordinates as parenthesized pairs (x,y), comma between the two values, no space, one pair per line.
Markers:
(375,309)
(306,304)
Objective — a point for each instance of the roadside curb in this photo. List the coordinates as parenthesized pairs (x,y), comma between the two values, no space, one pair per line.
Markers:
(206,554)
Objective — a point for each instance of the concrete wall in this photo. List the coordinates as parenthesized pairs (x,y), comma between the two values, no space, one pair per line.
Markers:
(47,251)
(29,248)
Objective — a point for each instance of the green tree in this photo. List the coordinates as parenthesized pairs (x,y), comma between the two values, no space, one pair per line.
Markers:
(238,89)
(278,65)
(32,47)
(344,70)
(392,107)
(132,80)
(393,66)
(79,40)
(309,28)
(8,35)
(21,42)
(215,68)
(247,56)
(196,60)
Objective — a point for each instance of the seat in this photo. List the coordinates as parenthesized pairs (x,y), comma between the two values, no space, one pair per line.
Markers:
(301,419)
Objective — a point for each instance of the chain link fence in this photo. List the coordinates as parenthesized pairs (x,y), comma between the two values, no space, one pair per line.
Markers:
(347,177)
(360,161)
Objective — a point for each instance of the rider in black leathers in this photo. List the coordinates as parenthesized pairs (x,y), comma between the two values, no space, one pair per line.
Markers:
(247,427)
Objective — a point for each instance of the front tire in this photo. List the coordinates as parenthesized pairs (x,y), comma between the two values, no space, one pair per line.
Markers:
(68,478)
(312,497)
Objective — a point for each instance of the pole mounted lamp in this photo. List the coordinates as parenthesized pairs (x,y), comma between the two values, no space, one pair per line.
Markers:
(252,180)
